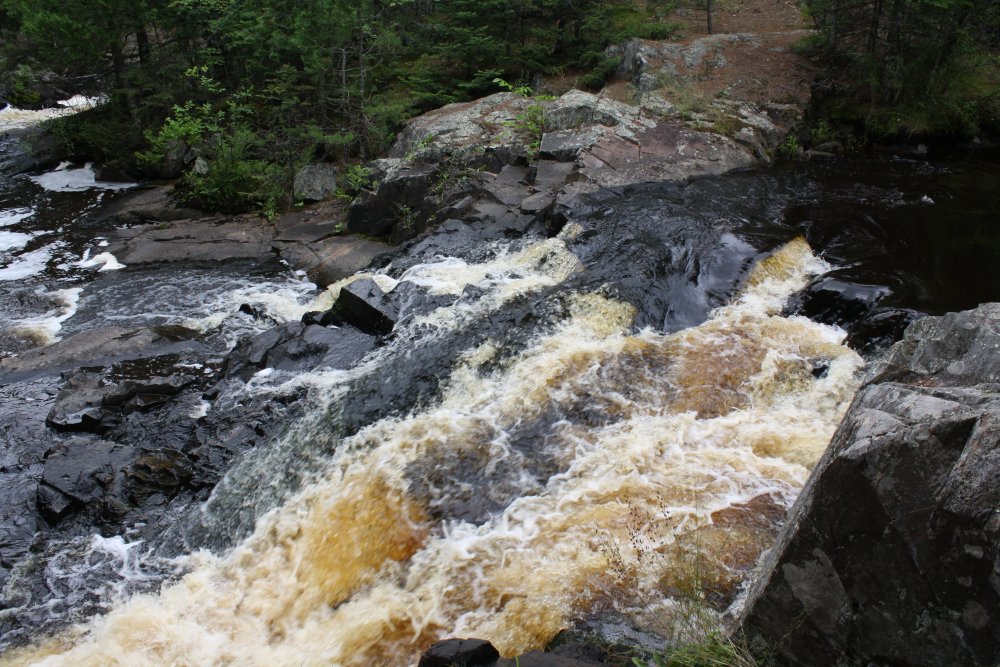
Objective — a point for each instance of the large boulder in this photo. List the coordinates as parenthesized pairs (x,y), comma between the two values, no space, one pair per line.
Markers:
(315,182)
(891,554)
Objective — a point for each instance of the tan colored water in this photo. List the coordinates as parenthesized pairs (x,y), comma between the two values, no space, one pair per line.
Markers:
(704,439)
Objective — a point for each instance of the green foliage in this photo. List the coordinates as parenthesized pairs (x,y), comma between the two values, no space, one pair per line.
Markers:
(521,89)
(311,80)
(790,147)
(905,67)
(236,179)
(714,650)
(530,124)
(187,127)
(20,85)
(354,180)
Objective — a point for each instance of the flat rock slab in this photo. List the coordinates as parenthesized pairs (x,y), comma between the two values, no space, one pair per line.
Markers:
(146,204)
(666,152)
(331,259)
(304,227)
(97,346)
(193,240)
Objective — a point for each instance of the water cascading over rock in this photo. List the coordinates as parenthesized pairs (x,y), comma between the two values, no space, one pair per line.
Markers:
(580,472)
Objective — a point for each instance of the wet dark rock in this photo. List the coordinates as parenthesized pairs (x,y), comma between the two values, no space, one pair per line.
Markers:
(604,638)
(298,346)
(877,331)
(398,201)
(87,469)
(891,551)
(460,653)
(257,313)
(204,239)
(88,402)
(98,346)
(143,205)
(363,304)
(78,405)
(109,174)
(26,150)
(157,472)
(410,300)
(52,503)
(832,300)
(332,258)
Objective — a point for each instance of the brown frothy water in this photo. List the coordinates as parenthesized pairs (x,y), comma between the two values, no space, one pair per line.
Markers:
(698,443)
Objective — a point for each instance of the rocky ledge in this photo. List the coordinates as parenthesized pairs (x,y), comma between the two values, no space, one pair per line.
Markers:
(891,554)
(507,156)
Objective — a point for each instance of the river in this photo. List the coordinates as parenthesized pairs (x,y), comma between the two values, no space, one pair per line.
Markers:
(609,422)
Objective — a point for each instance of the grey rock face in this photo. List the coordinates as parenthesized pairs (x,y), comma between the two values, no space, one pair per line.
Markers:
(892,552)
(315,182)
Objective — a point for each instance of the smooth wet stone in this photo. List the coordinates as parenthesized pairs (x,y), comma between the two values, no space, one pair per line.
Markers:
(209,240)
(86,469)
(363,304)
(891,552)
(460,653)
(298,346)
(333,258)
(97,347)
(89,402)
(832,300)
(78,405)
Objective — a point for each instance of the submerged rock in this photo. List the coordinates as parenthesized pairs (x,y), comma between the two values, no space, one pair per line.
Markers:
(891,552)
(468,652)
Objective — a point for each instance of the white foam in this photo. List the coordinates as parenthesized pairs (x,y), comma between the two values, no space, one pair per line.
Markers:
(13,118)
(82,102)
(200,410)
(13,216)
(28,264)
(105,260)
(44,329)
(63,179)
(13,240)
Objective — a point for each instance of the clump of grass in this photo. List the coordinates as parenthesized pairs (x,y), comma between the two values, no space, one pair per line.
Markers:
(714,650)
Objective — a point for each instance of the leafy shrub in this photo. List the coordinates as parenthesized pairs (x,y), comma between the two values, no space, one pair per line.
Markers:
(599,74)
(235,180)
(188,126)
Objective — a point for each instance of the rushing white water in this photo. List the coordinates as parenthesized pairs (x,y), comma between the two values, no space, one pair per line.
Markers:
(67,179)
(29,263)
(13,216)
(44,329)
(13,240)
(13,118)
(660,451)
